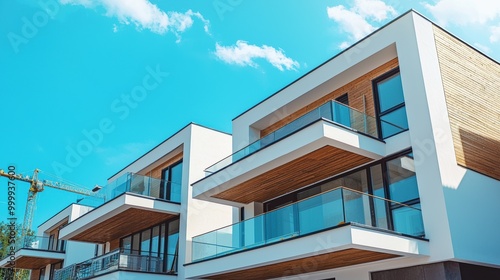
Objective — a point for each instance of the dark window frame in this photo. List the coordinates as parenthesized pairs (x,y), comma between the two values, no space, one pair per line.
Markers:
(167,194)
(166,223)
(382,162)
(379,114)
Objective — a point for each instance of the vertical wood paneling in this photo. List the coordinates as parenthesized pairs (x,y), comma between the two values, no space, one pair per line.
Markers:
(471,84)
(356,90)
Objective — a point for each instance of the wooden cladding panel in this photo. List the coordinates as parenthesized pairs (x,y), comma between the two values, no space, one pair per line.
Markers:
(156,171)
(25,262)
(471,84)
(356,90)
(308,169)
(114,244)
(122,224)
(307,265)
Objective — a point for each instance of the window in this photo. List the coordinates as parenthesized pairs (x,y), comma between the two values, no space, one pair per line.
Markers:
(390,107)
(393,178)
(155,247)
(42,274)
(53,269)
(402,185)
(171,182)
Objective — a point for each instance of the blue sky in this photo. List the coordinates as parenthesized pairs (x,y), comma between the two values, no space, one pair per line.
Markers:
(87,86)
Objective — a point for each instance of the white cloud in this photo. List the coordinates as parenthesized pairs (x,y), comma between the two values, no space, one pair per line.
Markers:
(495,34)
(145,15)
(350,21)
(356,20)
(482,48)
(464,12)
(244,54)
(375,9)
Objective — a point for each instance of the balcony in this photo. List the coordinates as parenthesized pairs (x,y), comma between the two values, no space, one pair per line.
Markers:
(35,252)
(127,200)
(326,141)
(117,260)
(340,227)
(333,111)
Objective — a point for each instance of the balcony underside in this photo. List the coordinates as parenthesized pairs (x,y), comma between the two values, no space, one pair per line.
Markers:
(119,217)
(121,225)
(317,165)
(331,260)
(34,259)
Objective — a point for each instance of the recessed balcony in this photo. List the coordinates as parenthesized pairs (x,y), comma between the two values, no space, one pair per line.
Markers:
(35,252)
(125,201)
(326,141)
(353,226)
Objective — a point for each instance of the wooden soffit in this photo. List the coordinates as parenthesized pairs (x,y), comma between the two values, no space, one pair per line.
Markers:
(313,167)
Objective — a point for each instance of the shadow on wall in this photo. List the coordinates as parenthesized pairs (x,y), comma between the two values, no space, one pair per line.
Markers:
(480,153)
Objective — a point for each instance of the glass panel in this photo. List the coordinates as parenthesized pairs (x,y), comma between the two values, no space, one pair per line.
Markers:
(173,244)
(408,220)
(402,180)
(127,244)
(155,241)
(312,214)
(136,243)
(176,181)
(321,211)
(390,92)
(380,206)
(394,122)
(281,223)
(341,114)
(145,242)
(165,180)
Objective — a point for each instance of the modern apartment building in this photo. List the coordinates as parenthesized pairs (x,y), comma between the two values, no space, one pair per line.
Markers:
(381,163)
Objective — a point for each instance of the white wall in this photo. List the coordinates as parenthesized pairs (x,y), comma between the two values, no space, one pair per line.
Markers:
(206,147)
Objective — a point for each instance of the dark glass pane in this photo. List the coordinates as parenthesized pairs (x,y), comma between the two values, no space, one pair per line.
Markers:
(136,243)
(173,245)
(145,242)
(390,92)
(402,180)
(127,244)
(408,220)
(394,122)
(380,206)
(155,241)
(176,180)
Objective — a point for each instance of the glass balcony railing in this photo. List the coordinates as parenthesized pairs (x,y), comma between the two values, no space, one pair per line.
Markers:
(135,183)
(332,111)
(42,243)
(323,211)
(114,261)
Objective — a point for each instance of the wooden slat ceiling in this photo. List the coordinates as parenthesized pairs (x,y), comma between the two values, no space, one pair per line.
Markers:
(25,262)
(125,223)
(331,260)
(308,169)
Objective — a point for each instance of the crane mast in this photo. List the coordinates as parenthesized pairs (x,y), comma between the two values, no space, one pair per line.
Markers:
(37,186)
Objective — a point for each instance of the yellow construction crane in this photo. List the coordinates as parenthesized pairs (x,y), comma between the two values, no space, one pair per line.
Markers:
(37,186)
